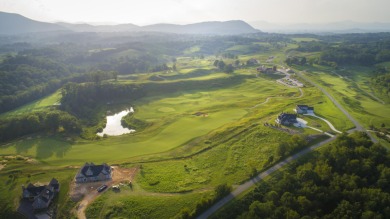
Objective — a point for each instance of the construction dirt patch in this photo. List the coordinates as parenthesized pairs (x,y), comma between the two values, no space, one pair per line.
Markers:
(86,193)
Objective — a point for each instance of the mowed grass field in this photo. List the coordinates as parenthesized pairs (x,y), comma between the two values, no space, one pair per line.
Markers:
(35,105)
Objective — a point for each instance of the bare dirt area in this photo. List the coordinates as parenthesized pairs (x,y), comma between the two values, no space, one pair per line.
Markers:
(86,193)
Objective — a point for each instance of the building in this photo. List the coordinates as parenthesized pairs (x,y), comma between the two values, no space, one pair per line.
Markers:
(304,109)
(286,119)
(92,173)
(41,196)
(264,69)
(252,61)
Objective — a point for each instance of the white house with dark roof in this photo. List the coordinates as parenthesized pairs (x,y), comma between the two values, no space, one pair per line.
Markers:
(304,109)
(286,119)
(93,173)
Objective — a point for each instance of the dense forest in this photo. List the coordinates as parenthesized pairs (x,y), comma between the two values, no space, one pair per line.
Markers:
(349,49)
(348,179)
(42,121)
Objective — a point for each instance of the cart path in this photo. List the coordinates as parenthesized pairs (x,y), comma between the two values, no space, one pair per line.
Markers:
(323,119)
(338,105)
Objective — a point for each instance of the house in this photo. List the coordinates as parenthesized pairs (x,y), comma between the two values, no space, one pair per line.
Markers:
(264,69)
(41,196)
(92,173)
(252,61)
(286,119)
(304,109)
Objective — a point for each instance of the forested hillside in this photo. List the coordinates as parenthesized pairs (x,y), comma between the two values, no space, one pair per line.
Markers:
(348,179)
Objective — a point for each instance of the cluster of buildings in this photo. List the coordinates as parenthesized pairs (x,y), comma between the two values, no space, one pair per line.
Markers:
(264,69)
(41,197)
(291,118)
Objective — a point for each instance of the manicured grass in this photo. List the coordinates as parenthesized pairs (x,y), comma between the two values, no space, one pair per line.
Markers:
(362,107)
(173,135)
(35,105)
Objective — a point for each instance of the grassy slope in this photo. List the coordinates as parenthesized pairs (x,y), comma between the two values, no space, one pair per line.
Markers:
(236,147)
(35,105)
(363,107)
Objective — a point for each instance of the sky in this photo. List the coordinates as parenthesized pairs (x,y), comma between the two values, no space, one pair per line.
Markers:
(143,12)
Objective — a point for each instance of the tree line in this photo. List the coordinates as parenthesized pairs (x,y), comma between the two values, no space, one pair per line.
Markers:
(82,99)
(349,179)
(42,121)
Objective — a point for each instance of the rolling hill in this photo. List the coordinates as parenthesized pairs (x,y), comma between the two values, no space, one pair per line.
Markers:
(18,24)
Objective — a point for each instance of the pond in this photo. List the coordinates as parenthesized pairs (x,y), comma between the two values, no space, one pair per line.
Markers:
(114,126)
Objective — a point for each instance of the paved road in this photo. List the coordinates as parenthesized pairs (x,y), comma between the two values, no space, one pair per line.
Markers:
(243,187)
(338,105)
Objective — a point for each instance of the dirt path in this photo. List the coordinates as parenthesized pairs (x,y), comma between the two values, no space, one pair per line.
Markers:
(87,192)
(268,98)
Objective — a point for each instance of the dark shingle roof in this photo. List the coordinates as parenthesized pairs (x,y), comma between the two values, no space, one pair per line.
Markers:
(91,170)
(35,190)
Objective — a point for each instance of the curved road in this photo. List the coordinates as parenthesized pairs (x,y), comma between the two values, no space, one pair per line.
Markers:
(338,105)
(243,187)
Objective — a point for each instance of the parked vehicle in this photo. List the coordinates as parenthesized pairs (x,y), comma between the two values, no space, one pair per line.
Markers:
(102,188)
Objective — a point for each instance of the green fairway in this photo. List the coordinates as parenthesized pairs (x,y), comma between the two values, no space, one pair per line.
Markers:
(35,105)
(59,152)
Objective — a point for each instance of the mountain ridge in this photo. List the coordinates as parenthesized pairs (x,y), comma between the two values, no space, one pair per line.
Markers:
(11,23)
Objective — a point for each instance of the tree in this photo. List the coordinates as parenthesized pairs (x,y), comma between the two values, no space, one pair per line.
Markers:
(229,68)
(303,61)
(221,65)
(222,190)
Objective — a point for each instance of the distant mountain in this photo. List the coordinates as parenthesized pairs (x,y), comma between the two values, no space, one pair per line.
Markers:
(100,28)
(335,27)
(211,27)
(16,24)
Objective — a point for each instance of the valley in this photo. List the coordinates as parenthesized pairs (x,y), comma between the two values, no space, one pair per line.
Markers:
(203,111)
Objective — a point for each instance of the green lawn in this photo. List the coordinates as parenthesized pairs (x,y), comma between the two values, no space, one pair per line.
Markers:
(35,105)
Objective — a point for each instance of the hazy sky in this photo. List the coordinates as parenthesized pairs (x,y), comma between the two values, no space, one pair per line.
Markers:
(143,12)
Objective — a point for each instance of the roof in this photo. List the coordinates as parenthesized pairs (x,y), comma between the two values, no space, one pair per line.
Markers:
(92,170)
(284,116)
(54,183)
(287,117)
(303,106)
(34,190)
